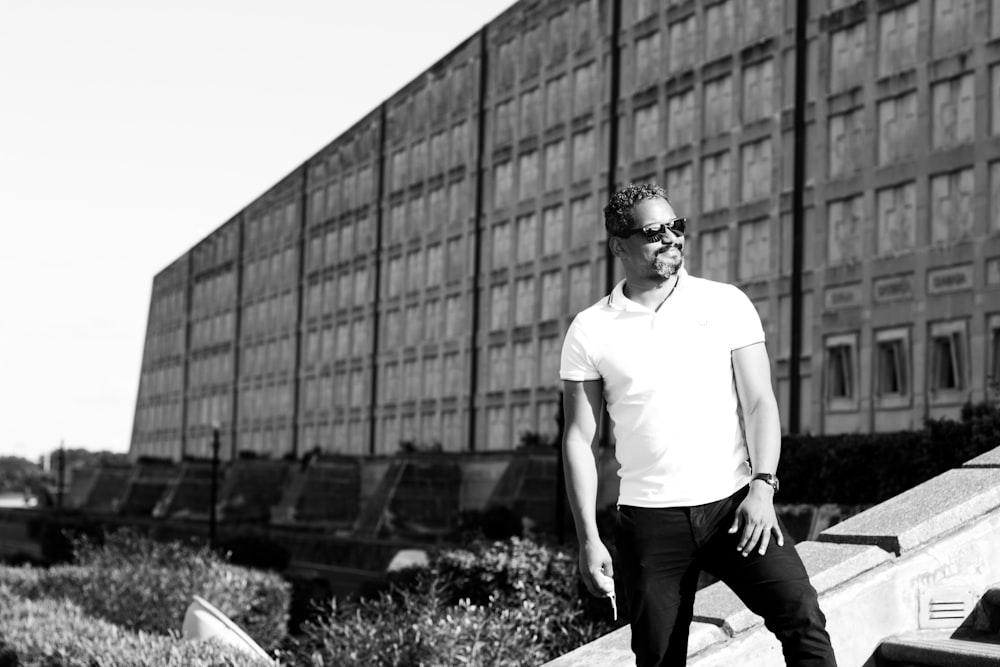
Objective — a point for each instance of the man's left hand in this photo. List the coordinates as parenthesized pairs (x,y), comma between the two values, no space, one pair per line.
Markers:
(756,513)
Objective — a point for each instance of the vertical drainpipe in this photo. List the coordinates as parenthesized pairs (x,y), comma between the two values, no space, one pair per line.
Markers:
(614,88)
(299,315)
(477,238)
(237,328)
(798,215)
(189,290)
(379,177)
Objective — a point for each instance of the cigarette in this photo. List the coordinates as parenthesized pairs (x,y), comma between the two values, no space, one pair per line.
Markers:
(614,606)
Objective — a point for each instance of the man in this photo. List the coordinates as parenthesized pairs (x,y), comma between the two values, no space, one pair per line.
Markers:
(681,363)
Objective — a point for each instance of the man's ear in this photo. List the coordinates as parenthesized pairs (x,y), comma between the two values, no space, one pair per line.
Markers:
(615,243)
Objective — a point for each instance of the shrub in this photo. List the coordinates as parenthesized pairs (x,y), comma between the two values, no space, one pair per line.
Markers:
(60,633)
(865,469)
(505,603)
(141,584)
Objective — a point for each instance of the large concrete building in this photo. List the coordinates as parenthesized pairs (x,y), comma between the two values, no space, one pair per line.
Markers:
(411,281)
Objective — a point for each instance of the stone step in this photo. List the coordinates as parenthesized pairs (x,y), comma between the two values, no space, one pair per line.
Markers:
(936,649)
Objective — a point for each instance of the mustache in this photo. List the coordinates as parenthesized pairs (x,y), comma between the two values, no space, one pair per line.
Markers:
(668,246)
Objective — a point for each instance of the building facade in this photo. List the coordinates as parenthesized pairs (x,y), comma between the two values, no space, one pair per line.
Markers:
(411,282)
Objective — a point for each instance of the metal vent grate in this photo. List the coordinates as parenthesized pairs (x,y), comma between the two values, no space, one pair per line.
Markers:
(945,607)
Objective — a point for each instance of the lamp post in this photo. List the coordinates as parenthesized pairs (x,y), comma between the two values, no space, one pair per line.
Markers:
(214,488)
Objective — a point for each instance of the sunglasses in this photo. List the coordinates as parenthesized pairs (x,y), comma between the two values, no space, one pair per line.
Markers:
(654,233)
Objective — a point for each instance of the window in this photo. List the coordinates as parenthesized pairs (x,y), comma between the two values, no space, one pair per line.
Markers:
(715,182)
(897,39)
(530,112)
(758,90)
(952,25)
(647,59)
(993,377)
(718,105)
(844,228)
(499,306)
(896,219)
(527,237)
(755,249)
(719,29)
(714,263)
(554,228)
(951,206)
(501,251)
(682,43)
(994,221)
(840,371)
(555,165)
(948,355)
(583,88)
(892,364)
(552,289)
(847,57)
(952,112)
(557,100)
(678,180)
(583,217)
(525,295)
(503,184)
(528,175)
(504,124)
(680,119)
(647,131)
(897,128)
(756,159)
(847,142)
(583,155)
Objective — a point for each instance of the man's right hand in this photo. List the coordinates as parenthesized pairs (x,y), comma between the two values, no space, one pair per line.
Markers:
(596,569)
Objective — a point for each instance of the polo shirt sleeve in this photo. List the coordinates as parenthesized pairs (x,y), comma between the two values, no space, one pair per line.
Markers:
(576,364)
(744,321)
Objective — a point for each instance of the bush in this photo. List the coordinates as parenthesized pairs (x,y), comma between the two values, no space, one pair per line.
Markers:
(141,584)
(865,469)
(505,603)
(59,633)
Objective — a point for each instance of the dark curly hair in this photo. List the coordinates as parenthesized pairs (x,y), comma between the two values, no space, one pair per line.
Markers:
(618,213)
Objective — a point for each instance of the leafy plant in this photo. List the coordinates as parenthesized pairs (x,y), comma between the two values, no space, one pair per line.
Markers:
(513,602)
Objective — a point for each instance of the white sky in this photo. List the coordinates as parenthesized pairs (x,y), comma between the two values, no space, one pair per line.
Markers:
(129,130)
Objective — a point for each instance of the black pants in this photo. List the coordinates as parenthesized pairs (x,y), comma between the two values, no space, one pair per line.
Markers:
(661,552)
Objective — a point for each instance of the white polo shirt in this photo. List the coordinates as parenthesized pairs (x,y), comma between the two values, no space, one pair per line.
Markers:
(670,389)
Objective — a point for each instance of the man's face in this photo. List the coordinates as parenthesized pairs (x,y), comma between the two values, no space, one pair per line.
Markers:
(652,260)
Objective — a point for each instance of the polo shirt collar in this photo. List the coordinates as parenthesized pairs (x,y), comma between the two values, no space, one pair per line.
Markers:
(619,301)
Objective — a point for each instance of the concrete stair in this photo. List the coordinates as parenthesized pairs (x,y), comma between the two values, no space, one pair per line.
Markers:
(936,648)
(888,578)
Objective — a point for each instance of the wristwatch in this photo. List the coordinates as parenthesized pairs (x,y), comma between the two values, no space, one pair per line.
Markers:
(768,478)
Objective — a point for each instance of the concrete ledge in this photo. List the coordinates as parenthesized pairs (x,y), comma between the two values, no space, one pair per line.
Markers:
(923,513)
(615,648)
(828,565)
(938,649)
(990,459)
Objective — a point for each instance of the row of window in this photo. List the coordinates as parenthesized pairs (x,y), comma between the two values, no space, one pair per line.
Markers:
(164,343)
(950,217)
(519,242)
(544,170)
(167,306)
(349,191)
(213,294)
(430,157)
(524,114)
(340,243)
(547,43)
(161,416)
(952,28)
(948,370)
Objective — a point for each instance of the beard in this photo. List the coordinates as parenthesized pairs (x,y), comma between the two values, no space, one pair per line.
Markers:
(667,263)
